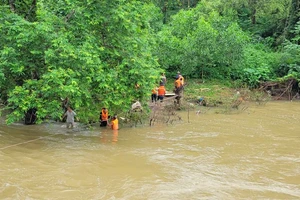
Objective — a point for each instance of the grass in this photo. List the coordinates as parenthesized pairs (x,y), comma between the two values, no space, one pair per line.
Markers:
(219,93)
(213,91)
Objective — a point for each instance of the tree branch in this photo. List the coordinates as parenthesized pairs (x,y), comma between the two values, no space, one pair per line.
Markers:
(69,15)
(12,5)
(33,5)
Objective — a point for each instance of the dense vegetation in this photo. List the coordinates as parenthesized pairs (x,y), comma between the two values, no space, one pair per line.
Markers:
(96,53)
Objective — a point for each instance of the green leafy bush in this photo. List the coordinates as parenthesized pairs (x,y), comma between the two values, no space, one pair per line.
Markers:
(257,65)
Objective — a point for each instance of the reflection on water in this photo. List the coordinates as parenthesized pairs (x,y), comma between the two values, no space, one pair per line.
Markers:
(251,155)
(109,136)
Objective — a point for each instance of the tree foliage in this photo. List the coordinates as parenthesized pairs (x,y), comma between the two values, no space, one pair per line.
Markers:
(199,40)
(110,53)
(94,54)
(171,7)
(290,58)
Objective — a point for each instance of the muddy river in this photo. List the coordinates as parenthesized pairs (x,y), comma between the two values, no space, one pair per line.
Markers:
(253,154)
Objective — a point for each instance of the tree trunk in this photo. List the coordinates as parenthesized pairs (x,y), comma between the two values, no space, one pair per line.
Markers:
(12,5)
(31,9)
(253,17)
(164,10)
(252,5)
(291,19)
(294,13)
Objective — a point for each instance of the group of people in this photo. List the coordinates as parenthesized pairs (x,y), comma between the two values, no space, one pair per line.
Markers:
(103,118)
(159,93)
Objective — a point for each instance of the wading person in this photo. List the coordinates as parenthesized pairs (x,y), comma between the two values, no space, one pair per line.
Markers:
(65,104)
(104,117)
(114,124)
(70,114)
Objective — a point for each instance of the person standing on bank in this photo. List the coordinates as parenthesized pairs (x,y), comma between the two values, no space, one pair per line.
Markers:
(70,114)
(104,117)
(154,95)
(163,79)
(161,93)
(178,86)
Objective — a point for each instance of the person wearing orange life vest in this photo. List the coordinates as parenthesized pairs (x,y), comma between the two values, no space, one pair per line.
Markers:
(104,117)
(114,124)
(179,76)
(178,86)
(178,83)
(161,93)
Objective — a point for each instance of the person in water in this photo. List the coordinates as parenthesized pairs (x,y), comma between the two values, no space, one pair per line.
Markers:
(65,104)
(70,114)
(114,124)
(104,117)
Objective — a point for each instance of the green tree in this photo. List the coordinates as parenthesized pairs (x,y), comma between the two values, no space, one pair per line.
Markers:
(257,65)
(290,58)
(264,18)
(24,8)
(171,7)
(200,40)
(92,52)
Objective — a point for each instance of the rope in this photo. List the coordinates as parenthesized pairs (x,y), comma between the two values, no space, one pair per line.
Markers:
(13,145)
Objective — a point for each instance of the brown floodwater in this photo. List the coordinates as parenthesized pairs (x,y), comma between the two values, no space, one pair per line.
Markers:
(253,154)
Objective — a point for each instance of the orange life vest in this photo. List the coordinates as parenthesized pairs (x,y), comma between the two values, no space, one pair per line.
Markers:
(115,124)
(161,90)
(178,83)
(104,115)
